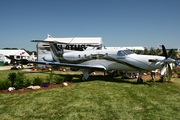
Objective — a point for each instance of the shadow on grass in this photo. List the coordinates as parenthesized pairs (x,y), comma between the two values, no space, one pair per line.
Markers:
(108,79)
(77,78)
(46,72)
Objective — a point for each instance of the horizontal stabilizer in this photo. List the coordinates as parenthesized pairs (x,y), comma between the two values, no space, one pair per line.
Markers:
(48,41)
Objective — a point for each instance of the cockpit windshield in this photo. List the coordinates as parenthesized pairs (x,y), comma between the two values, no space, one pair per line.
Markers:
(128,52)
(124,52)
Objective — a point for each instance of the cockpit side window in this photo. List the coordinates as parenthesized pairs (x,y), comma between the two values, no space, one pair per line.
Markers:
(121,53)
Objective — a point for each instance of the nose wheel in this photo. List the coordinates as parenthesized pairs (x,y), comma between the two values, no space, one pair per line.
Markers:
(139,80)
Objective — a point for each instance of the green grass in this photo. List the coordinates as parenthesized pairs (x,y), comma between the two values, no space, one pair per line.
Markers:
(99,98)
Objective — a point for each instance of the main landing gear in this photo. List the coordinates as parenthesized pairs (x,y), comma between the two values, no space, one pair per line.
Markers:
(139,80)
(85,74)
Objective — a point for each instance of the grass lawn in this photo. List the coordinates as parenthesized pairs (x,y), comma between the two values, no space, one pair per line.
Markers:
(99,98)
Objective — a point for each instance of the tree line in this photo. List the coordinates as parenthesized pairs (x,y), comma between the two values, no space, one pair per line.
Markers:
(153,51)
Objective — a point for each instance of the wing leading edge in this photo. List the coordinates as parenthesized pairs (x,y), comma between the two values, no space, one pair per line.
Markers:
(25,61)
(100,68)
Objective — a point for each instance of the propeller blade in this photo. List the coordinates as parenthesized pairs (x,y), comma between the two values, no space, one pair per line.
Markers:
(176,63)
(169,68)
(164,51)
(163,70)
(170,52)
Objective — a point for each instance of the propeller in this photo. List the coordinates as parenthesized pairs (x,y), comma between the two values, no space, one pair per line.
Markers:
(167,61)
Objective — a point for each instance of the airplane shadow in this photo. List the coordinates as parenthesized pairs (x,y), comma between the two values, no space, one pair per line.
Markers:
(109,79)
(97,78)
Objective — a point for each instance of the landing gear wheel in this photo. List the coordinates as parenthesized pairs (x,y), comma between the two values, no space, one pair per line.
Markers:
(115,73)
(139,80)
(85,74)
(83,79)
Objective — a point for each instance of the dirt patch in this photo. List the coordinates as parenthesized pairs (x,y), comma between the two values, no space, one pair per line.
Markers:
(25,90)
(149,76)
(146,76)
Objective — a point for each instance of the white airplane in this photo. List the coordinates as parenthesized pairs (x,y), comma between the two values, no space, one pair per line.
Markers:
(104,60)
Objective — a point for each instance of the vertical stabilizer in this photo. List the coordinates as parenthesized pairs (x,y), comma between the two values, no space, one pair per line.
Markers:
(57,53)
(49,36)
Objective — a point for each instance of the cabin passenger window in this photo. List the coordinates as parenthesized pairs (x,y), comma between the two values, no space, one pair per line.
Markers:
(91,56)
(79,56)
(106,55)
(121,53)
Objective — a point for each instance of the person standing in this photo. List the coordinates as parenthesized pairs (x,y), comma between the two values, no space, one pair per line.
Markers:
(153,75)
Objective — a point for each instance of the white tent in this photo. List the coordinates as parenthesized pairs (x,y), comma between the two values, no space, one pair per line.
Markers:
(16,54)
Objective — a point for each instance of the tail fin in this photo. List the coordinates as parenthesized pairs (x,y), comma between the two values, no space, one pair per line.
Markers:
(49,36)
(57,53)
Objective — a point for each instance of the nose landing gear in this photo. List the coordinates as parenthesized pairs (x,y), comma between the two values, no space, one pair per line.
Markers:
(139,80)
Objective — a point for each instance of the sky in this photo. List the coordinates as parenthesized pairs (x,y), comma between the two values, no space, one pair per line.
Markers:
(120,23)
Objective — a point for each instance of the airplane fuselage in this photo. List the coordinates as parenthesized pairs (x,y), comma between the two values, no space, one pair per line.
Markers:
(121,60)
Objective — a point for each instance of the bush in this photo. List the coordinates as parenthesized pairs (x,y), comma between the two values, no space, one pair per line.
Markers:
(37,67)
(162,79)
(178,73)
(50,78)
(68,78)
(174,75)
(21,81)
(12,77)
(38,81)
(5,84)
(59,79)
(168,76)
(177,69)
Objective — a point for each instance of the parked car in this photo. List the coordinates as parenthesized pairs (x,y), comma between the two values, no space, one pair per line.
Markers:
(17,67)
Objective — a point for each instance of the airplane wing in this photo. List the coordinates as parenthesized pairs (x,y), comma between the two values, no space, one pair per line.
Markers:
(25,61)
(101,68)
